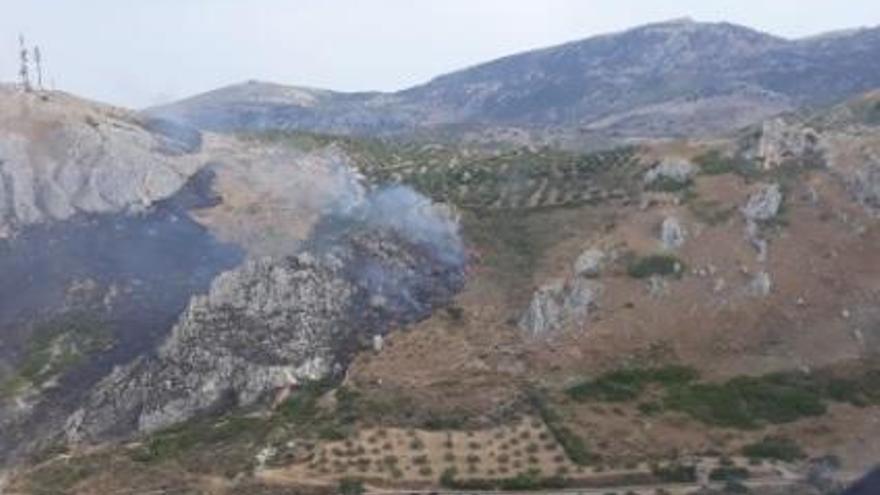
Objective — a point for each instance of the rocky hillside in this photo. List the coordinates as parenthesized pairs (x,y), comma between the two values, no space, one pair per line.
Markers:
(60,156)
(698,312)
(680,78)
(153,274)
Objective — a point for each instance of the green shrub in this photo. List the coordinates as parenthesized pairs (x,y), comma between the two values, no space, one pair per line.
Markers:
(728,473)
(872,114)
(733,486)
(627,384)
(532,480)
(615,386)
(351,486)
(447,478)
(745,402)
(650,408)
(573,445)
(711,212)
(528,481)
(715,163)
(665,184)
(676,473)
(774,447)
(663,265)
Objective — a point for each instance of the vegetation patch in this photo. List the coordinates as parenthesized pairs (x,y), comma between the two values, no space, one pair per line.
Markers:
(179,441)
(747,402)
(872,113)
(729,473)
(663,265)
(716,163)
(676,473)
(628,384)
(531,480)
(574,446)
(741,402)
(775,448)
(55,347)
(666,184)
(351,486)
(711,212)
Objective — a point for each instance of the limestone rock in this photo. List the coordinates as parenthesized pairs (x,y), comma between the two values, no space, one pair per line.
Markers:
(761,284)
(60,156)
(589,263)
(782,141)
(672,233)
(269,324)
(865,185)
(763,204)
(673,170)
(558,304)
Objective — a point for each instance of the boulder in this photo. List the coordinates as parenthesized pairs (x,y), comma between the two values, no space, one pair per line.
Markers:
(589,263)
(865,186)
(764,203)
(558,304)
(672,233)
(761,284)
(783,141)
(674,170)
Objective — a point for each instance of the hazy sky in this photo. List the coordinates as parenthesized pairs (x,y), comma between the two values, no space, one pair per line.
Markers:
(143,52)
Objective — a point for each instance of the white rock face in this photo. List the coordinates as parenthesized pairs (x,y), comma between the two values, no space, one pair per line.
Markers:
(781,140)
(865,185)
(558,304)
(589,263)
(265,325)
(674,170)
(672,233)
(764,203)
(60,156)
(761,284)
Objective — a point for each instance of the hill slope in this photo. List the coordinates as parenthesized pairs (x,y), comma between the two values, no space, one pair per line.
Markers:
(669,79)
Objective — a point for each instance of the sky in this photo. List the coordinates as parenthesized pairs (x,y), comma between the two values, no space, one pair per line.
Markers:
(138,53)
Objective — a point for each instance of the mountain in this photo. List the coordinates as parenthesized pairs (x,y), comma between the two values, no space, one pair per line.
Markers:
(669,79)
(296,315)
(277,312)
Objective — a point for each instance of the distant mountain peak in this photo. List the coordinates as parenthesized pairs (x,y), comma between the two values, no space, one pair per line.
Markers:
(671,78)
(677,21)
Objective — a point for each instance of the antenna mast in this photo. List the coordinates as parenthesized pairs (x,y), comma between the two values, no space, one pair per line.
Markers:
(38,63)
(23,70)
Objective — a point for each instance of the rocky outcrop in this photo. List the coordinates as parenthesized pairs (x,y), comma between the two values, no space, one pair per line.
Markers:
(676,171)
(559,304)
(267,325)
(761,284)
(764,203)
(865,185)
(60,156)
(784,142)
(672,233)
(589,263)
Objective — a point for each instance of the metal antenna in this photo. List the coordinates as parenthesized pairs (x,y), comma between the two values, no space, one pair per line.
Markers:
(38,62)
(23,70)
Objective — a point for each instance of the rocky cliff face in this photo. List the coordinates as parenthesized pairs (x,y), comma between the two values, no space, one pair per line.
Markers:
(60,156)
(114,315)
(268,325)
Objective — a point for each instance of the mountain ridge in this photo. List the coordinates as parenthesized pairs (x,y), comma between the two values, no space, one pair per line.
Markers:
(666,79)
